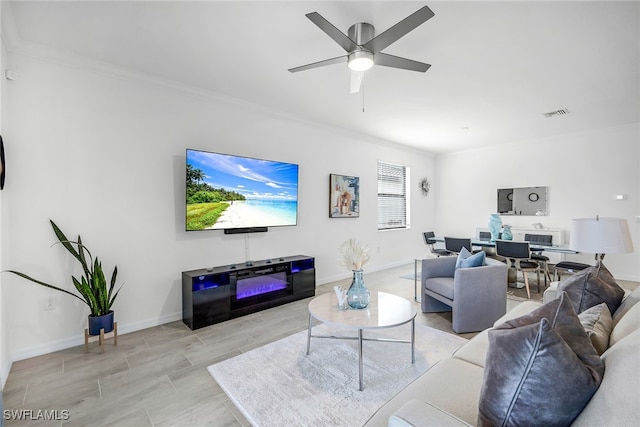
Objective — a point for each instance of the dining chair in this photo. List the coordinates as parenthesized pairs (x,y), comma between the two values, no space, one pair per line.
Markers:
(536,255)
(428,237)
(485,236)
(569,267)
(517,255)
(455,244)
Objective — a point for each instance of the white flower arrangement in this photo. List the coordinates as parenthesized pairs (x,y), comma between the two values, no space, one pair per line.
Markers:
(353,254)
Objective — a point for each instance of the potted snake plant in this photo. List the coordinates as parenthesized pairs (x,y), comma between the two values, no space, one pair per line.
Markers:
(91,286)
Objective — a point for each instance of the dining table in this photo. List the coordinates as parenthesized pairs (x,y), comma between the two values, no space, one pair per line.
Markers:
(484,243)
(564,249)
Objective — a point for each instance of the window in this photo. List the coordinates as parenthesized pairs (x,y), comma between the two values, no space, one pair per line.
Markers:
(392,196)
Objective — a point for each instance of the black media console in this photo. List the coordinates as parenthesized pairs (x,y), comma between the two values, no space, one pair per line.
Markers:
(220,293)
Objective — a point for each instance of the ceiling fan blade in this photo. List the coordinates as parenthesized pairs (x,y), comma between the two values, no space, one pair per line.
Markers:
(338,36)
(396,62)
(357,79)
(394,33)
(323,63)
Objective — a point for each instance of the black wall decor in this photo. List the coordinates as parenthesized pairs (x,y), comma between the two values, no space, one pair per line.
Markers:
(2,167)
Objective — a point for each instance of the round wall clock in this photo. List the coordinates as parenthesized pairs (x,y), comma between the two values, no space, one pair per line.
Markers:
(425,186)
(533,197)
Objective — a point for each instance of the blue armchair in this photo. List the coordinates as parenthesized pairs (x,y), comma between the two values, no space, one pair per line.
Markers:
(476,296)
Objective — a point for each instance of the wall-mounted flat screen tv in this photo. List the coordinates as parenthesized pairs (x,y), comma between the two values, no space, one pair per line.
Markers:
(227,192)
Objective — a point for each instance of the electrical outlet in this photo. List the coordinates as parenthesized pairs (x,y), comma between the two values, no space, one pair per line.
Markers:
(10,75)
(50,303)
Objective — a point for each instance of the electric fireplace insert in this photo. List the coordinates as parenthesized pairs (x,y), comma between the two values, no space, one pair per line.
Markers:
(213,295)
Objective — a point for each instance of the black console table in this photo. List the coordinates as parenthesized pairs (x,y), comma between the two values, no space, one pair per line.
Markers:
(217,294)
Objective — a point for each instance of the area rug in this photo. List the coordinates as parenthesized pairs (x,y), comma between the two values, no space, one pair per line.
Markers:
(520,294)
(279,385)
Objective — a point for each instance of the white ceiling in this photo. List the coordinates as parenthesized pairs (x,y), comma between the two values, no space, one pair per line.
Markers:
(496,66)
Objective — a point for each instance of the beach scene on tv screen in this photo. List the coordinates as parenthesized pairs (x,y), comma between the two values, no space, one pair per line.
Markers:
(225,191)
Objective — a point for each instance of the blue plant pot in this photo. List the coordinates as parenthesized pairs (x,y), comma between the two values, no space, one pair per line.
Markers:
(101,322)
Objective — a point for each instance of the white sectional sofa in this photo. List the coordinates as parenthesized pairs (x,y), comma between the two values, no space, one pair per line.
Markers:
(448,394)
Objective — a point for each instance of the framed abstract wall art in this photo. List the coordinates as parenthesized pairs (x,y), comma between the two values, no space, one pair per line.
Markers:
(344,196)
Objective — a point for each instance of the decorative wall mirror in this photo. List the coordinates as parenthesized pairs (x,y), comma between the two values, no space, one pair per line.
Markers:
(522,201)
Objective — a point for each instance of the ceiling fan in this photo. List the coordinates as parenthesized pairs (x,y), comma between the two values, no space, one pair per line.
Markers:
(364,50)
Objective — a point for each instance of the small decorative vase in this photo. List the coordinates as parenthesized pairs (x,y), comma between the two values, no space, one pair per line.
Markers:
(506,232)
(495,224)
(101,322)
(358,294)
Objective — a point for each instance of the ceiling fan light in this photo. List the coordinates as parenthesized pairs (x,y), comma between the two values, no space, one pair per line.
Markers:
(361,60)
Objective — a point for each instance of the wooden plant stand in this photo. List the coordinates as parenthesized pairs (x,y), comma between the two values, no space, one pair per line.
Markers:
(101,338)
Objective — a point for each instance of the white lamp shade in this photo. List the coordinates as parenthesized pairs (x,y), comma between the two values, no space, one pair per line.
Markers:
(600,236)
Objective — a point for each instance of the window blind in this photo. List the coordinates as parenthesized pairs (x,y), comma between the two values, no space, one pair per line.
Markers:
(392,196)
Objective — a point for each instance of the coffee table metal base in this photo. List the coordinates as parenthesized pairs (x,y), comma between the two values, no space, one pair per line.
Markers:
(361,339)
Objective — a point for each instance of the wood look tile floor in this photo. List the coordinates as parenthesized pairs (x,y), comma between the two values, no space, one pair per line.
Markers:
(158,376)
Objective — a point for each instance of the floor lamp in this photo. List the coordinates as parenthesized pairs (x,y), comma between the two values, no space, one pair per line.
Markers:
(600,236)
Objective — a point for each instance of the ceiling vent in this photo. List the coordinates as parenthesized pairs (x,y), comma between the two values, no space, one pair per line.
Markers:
(562,112)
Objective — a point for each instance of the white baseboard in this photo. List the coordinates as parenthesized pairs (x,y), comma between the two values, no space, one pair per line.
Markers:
(629,278)
(347,275)
(78,339)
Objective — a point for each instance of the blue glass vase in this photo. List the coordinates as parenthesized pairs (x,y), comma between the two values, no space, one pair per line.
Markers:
(495,224)
(506,232)
(358,295)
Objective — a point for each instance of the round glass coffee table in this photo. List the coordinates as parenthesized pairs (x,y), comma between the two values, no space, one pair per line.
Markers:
(384,311)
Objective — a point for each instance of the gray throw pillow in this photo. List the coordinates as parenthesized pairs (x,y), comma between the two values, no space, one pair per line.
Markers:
(592,286)
(541,369)
(598,324)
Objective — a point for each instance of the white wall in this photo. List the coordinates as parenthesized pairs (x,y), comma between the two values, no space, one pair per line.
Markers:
(4,353)
(103,155)
(583,172)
